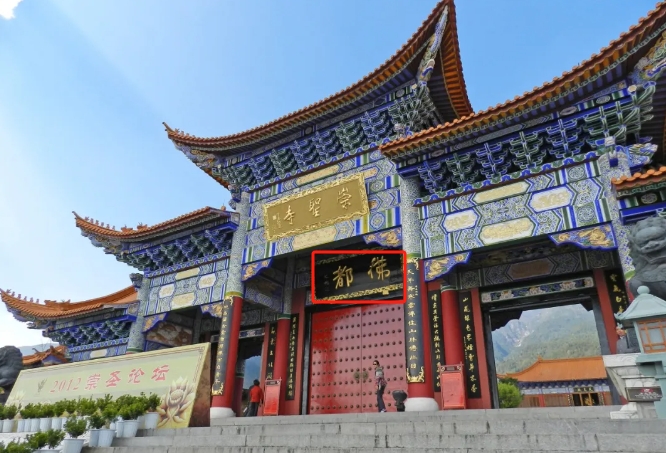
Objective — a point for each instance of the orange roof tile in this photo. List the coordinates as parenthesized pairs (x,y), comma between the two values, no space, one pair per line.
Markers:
(579,369)
(578,74)
(52,310)
(640,179)
(58,352)
(451,67)
(94,227)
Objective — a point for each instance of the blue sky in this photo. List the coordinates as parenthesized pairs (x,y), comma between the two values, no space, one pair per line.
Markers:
(85,85)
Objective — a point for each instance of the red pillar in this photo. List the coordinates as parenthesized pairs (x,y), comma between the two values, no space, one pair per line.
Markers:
(226,399)
(453,340)
(606,309)
(280,365)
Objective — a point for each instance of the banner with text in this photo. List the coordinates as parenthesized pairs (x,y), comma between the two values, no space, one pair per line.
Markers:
(181,376)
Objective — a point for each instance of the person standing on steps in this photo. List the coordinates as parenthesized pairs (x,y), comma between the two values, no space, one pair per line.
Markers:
(256,399)
(380,382)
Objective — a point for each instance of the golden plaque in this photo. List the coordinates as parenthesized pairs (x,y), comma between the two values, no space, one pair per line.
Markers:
(321,206)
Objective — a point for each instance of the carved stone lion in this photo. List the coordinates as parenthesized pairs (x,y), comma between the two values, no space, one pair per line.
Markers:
(11,364)
(648,252)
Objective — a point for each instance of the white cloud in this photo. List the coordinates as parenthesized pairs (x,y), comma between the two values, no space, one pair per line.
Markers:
(7,8)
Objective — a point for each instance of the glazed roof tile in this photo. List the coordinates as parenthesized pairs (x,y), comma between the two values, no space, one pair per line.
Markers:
(581,72)
(50,309)
(578,369)
(58,352)
(94,227)
(640,179)
(453,76)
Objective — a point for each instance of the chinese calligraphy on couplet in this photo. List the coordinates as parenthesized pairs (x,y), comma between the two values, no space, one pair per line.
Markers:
(343,276)
(436,337)
(222,346)
(378,268)
(272,340)
(291,372)
(469,345)
(617,291)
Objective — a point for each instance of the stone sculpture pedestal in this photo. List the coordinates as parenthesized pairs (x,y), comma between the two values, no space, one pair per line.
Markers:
(623,371)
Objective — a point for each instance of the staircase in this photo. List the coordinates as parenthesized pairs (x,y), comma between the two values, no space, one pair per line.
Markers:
(508,431)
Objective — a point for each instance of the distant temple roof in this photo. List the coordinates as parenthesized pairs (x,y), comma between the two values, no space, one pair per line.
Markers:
(49,309)
(640,179)
(52,354)
(579,74)
(96,228)
(578,369)
(448,59)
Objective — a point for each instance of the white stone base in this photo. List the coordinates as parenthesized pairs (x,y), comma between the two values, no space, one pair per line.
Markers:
(221,412)
(421,405)
(627,412)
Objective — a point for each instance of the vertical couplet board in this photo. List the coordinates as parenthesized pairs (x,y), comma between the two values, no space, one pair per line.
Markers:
(616,291)
(272,397)
(471,371)
(270,360)
(452,383)
(436,335)
(291,370)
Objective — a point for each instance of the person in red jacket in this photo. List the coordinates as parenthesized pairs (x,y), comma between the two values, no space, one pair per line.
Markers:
(256,399)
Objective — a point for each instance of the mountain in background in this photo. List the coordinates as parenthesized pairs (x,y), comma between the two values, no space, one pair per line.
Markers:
(550,333)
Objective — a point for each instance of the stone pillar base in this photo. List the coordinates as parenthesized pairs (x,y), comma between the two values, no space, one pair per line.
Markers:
(421,405)
(221,412)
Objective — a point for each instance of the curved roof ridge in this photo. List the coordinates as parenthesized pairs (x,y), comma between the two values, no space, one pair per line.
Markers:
(9,297)
(58,351)
(640,175)
(611,51)
(373,78)
(94,226)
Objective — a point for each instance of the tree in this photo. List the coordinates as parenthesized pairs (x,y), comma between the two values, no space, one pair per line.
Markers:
(509,395)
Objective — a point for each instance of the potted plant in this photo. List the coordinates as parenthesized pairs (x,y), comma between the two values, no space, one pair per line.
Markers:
(109,413)
(75,427)
(152,417)
(54,438)
(9,416)
(70,409)
(24,421)
(101,403)
(45,416)
(95,423)
(58,415)
(16,446)
(37,441)
(130,414)
(29,412)
(86,407)
(122,402)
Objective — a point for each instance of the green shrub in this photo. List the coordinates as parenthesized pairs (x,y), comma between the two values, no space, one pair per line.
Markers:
(37,441)
(37,411)
(54,437)
(59,408)
(70,407)
(96,421)
(110,412)
(154,401)
(103,402)
(2,412)
(509,395)
(86,407)
(10,412)
(75,427)
(47,411)
(17,447)
(28,412)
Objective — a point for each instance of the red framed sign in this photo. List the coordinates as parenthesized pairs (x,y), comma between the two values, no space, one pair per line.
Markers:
(272,397)
(452,383)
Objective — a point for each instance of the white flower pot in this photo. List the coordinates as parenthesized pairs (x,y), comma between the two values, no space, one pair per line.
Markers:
(142,421)
(7,426)
(34,425)
(130,428)
(20,426)
(93,439)
(44,424)
(120,425)
(56,423)
(105,437)
(72,446)
(151,420)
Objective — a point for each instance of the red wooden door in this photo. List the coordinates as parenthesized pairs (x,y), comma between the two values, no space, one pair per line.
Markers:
(382,339)
(335,364)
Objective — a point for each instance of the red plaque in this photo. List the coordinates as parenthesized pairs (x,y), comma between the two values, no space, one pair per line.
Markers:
(272,397)
(452,383)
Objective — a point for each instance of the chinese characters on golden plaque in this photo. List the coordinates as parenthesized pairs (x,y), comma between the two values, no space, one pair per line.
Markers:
(323,205)
(272,339)
(469,345)
(413,323)
(373,275)
(617,291)
(291,371)
(436,336)
(222,348)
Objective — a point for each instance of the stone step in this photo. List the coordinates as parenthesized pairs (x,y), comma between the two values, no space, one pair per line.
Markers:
(222,449)
(431,425)
(600,412)
(651,442)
